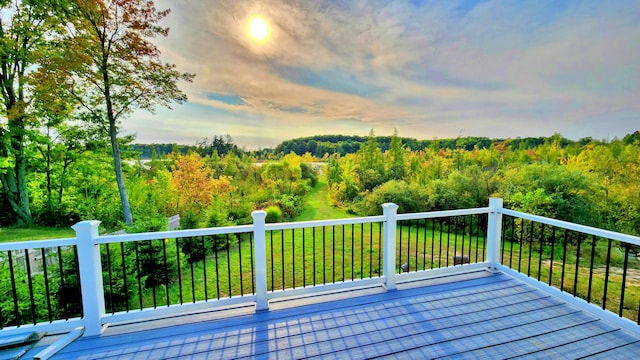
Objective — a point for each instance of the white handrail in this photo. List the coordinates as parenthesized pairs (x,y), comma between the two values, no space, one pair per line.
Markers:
(630,239)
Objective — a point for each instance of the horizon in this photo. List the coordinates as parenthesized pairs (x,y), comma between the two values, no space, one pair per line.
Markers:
(482,68)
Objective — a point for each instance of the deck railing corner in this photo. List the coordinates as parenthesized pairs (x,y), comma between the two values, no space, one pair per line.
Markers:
(494,232)
(91,283)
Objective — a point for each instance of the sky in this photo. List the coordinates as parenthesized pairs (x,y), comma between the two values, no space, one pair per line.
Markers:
(430,69)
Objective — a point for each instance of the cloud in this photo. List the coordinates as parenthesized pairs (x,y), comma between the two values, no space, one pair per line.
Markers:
(490,68)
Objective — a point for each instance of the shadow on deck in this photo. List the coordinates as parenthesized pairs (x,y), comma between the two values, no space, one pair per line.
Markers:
(477,315)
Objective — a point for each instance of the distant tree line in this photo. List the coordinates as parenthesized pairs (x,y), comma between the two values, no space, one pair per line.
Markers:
(321,145)
(222,145)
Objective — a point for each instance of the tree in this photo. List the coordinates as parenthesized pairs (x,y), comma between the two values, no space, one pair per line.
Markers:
(111,68)
(396,168)
(23,33)
(370,163)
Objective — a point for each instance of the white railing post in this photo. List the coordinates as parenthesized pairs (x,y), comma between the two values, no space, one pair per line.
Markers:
(390,211)
(90,276)
(260,250)
(494,232)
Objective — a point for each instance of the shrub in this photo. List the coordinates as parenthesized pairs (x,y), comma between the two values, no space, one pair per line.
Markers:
(274,214)
(408,197)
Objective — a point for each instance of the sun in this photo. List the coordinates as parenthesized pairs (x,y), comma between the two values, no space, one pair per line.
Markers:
(258,29)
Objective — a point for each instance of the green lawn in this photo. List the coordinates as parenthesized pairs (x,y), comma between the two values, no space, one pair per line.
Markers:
(317,206)
(34,233)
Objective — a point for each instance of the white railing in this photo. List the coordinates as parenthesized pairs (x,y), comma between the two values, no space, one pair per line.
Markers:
(88,243)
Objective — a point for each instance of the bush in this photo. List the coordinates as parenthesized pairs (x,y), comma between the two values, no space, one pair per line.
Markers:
(408,197)
(274,214)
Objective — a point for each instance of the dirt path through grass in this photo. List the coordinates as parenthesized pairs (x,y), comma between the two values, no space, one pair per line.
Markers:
(317,206)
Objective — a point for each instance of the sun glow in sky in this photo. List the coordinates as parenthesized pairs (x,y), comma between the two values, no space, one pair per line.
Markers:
(258,29)
(494,68)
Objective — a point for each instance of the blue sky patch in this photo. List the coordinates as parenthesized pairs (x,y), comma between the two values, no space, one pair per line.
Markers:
(333,80)
(229,99)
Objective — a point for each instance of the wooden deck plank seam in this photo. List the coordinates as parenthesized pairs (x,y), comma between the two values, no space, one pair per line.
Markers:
(637,342)
(527,346)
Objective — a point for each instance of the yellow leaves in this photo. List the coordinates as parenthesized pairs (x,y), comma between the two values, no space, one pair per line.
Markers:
(195,185)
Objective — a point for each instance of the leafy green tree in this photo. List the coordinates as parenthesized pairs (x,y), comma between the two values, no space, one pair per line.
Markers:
(25,29)
(396,158)
(370,164)
(111,68)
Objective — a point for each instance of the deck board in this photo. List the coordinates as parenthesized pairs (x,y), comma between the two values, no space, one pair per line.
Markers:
(491,316)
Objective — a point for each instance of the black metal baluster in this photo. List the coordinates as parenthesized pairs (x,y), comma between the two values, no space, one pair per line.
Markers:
(304,260)
(455,240)
(193,276)
(424,246)
(502,242)
(344,275)
(137,254)
(166,271)
(14,291)
(124,277)
(179,272)
(239,238)
(333,254)
(282,257)
(433,240)
(46,286)
(470,237)
(606,276)
(625,268)
(511,240)
(313,242)
(440,244)
(204,267)
(65,313)
(463,239)
(77,268)
(448,239)
(521,243)
(272,261)
(564,258)
(484,236)
(361,249)
(293,257)
(553,248)
(352,254)
(371,250)
(153,288)
(399,251)
(215,256)
(530,249)
(575,277)
(30,287)
(110,279)
(541,250)
(253,276)
(380,247)
(417,243)
(593,255)
(324,252)
(229,265)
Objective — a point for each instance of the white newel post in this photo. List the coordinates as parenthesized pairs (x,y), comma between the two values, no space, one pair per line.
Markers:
(494,232)
(260,250)
(90,276)
(389,211)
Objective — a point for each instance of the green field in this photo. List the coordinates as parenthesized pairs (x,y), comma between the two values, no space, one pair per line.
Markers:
(34,233)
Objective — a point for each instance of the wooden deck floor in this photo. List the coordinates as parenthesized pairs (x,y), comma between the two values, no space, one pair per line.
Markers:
(490,316)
